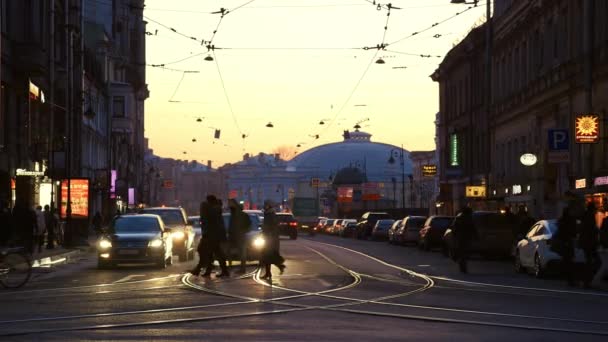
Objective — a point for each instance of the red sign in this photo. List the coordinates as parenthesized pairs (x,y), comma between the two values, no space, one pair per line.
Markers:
(79,195)
(587,128)
(233,194)
(168,184)
(345,194)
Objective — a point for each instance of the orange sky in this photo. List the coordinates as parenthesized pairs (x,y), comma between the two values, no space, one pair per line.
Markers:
(293,63)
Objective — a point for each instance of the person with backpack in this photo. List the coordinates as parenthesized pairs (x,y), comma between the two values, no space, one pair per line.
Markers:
(237,229)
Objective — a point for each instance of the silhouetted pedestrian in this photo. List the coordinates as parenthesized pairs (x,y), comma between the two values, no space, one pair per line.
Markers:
(51,226)
(563,243)
(6,223)
(213,235)
(239,226)
(271,254)
(24,221)
(40,229)
(588,241)
(464,232)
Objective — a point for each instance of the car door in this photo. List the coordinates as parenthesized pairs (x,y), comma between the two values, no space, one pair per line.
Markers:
(188,229)
(527,247)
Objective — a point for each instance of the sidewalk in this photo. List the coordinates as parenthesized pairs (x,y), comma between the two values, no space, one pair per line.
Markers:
(60,255)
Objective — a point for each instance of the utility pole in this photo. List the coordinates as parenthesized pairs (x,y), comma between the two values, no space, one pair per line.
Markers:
(51,99)
(588,7)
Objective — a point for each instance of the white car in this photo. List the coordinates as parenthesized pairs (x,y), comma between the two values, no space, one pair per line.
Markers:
(533,252)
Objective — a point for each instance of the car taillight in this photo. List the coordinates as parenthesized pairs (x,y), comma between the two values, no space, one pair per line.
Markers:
(293,224)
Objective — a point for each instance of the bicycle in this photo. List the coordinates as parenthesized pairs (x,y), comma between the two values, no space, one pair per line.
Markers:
(15,267)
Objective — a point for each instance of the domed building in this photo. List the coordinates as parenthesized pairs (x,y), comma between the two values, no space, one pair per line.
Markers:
(354,173)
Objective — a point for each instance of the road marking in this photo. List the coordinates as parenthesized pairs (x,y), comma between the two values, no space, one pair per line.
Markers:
(324,283)
(129,277)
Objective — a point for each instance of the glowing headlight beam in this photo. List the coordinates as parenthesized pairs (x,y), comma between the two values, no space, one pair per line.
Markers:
(156,243)
(259,242)
(105,244)
(178,235)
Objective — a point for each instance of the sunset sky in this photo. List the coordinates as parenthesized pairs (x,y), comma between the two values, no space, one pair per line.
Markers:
(294,63)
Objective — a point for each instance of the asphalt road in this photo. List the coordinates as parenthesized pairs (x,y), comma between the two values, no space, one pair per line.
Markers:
(332,290)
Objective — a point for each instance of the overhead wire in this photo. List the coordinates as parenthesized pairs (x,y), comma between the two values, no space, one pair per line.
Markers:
(238,127)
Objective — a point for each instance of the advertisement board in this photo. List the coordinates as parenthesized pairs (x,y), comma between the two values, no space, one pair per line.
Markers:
(476,191)
(79,194)
(345,194)
(429,170)
(587,128)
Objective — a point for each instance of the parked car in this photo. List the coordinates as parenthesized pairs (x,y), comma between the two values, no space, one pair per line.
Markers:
(253,238)
(182,233)
(409,231)
(494,235)
(350,230)
(288,225)
(431,234)
(195,222)
(329,223)
(339,228)
(368,221)
(135,239)
(392,232)
(534,252)
(380,230)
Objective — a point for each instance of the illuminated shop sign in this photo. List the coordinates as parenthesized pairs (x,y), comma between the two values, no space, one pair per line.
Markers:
(587,128)
(476,191)
(580,183)
(516,189)
(24,172)
(600,181)
(79,195)
(429,170)
(454,157)
(36,93)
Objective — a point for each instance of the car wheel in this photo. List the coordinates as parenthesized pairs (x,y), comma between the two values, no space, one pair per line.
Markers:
(426,246)
(539,272)
(445,251)
(519,268)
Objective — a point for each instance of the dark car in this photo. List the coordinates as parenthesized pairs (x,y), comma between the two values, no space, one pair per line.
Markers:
(409,231)
(253,238)
(288,225)
(431,234)
(368,221)
(350,230)
(494,235)
(176,222)
(135,239)
(380,231)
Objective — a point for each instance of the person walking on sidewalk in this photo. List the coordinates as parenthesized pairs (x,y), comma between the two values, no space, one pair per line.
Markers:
(24,221)
(238,227)
(588,241)
(271,254)
(563,243)
(51,227)
(464,232)
(40,229)
(6,223)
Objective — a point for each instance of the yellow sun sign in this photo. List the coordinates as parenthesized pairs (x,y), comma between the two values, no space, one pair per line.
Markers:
(587,128)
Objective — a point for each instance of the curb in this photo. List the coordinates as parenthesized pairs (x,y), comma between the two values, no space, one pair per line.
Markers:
(58,259)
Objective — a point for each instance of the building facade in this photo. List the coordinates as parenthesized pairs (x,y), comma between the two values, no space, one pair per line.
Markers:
(549,63)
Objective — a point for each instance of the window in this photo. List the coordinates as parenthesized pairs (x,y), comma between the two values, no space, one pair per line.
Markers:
(118,106)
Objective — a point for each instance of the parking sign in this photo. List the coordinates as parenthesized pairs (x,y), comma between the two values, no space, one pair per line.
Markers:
(559,140)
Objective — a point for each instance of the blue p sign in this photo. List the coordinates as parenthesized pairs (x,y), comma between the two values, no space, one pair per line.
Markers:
(558,140)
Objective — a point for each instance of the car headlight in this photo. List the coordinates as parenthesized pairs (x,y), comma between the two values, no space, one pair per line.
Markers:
(103,244)
(178,235)
(156,243)
(259,242)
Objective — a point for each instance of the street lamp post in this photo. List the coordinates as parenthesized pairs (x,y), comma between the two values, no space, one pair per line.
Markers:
(391,160)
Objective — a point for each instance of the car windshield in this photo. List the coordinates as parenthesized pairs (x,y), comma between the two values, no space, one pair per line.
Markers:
(441,222)
(135,224)
(170,217)
(194,221)
(416,222)
(385,223)
(493,221)
(285,218)
(256,221)
(552,226)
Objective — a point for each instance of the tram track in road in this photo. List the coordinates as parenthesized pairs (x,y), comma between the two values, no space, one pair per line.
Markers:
(486,318)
